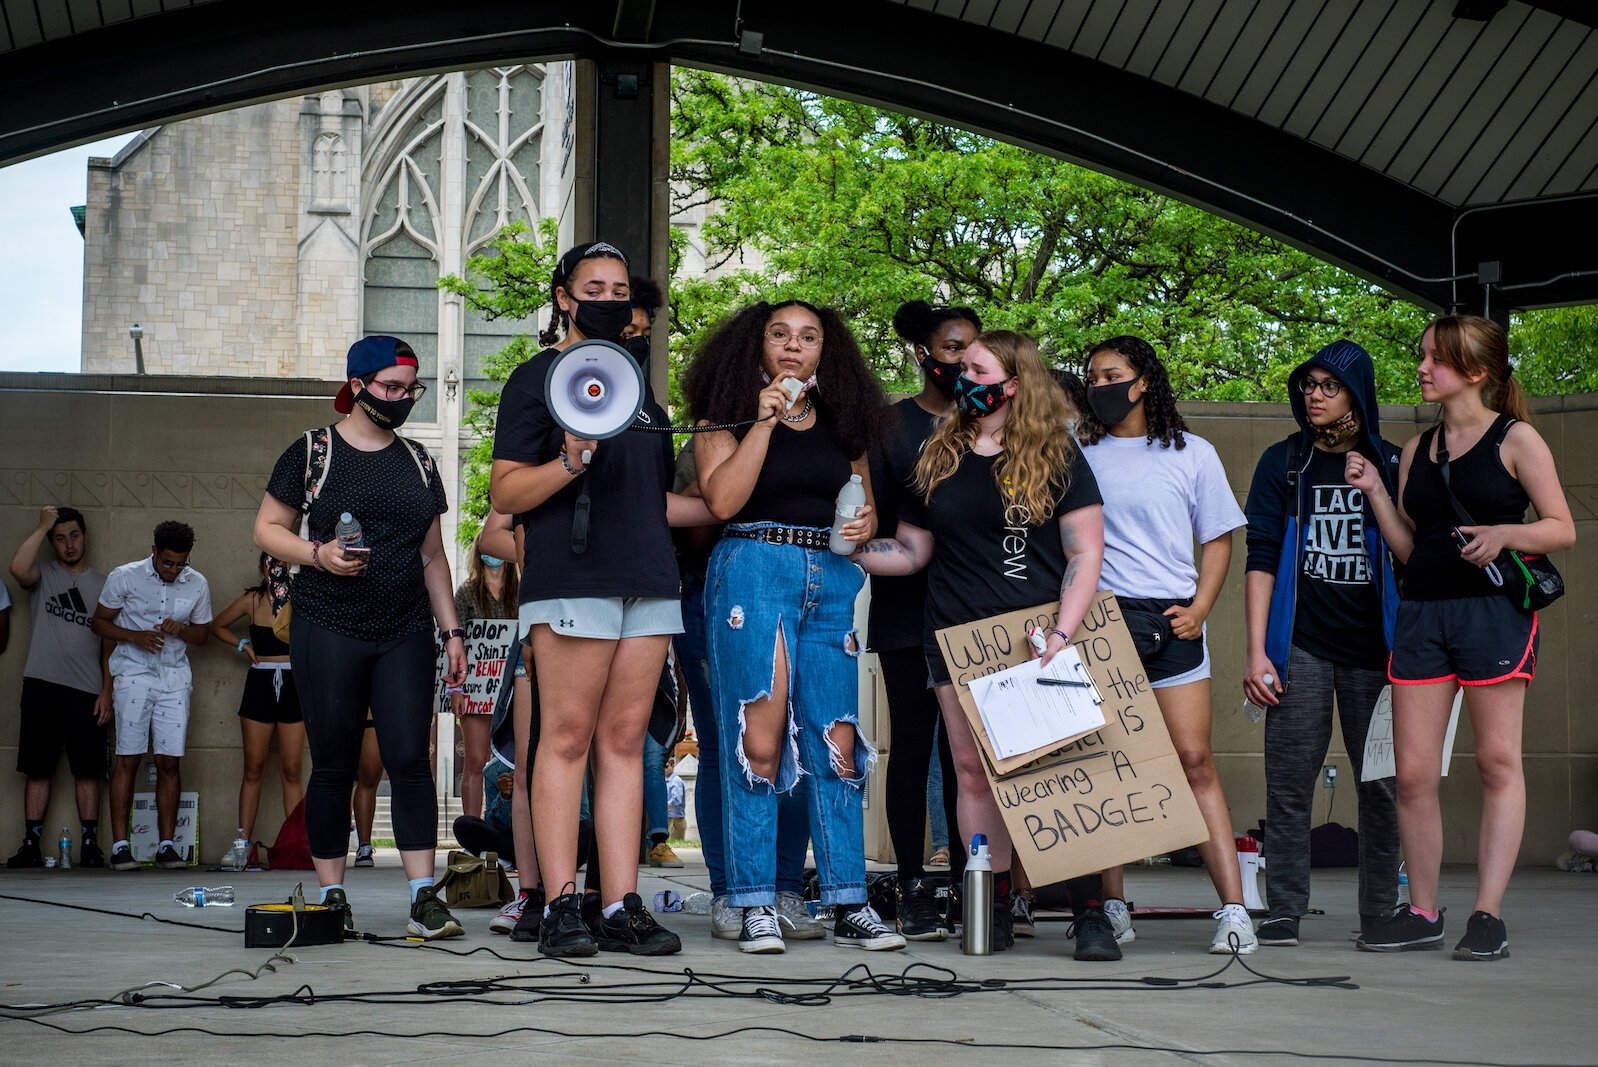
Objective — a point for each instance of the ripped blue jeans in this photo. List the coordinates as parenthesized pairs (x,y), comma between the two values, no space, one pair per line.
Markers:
(757,594)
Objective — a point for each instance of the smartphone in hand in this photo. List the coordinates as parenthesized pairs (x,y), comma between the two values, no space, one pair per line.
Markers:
(1492,568)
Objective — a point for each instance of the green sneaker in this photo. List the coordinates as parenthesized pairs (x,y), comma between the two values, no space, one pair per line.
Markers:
(339,902)
(430,920)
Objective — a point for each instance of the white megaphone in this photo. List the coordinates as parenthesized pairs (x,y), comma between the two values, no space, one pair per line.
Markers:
(594,389)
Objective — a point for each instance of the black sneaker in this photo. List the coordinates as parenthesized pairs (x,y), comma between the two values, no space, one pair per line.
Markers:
(1282,930)
(122,859)
(760,931)
(1003,927)
(91,856)
(919,919)
(336,900)
(1485,938)
(1095,937)
(953,910)
(592,911)
(27,856)
(526,928)
(563,932)
(1402,931)
(430,919)
(634,930)
(859,926)
(168,859)
(1021,915)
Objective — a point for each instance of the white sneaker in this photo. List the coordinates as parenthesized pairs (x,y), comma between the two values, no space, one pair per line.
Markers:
(364,856)
(796,921)
(1120,917)
(508,916)
(725,920)
(760,931)
(1232,922)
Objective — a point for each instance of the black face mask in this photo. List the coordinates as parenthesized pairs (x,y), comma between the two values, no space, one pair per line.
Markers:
(1111,404)
(389,414)
(638,348)
(602,320)
(941,375)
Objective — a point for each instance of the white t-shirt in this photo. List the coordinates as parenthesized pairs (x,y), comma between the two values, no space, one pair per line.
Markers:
(1157,503)
(5,597)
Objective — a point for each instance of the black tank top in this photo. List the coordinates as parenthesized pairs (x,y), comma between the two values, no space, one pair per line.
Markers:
(265,642)
(1489,493)
(799,482)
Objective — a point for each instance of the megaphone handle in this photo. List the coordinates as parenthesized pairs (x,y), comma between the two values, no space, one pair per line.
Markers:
(580,515)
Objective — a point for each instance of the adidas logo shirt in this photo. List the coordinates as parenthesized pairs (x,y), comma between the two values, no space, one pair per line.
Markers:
(62,648)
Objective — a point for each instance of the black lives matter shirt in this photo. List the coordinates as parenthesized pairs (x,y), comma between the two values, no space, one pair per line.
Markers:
(386,494)
(1338,616)
(898,604)
(989,555)
(629,545)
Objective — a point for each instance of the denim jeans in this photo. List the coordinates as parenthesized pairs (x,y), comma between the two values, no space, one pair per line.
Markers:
(654,785)
(940,821)
(760,593)
(793,818)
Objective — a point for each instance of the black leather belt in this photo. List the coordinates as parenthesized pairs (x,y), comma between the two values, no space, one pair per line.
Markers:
(786,535)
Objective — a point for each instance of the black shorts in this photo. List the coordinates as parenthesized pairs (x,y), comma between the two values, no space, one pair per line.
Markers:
(263,703)
(56,717)
(1479,640)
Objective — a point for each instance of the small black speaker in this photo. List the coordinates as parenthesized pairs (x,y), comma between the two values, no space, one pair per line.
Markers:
(271,925)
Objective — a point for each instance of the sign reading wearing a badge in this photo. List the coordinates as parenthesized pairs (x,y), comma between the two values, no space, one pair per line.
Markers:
(1110,796)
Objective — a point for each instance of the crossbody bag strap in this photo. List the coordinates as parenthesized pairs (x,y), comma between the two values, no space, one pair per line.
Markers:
(1442,468)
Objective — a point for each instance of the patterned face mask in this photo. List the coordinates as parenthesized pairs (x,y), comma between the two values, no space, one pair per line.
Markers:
(1338,432)
(974,398)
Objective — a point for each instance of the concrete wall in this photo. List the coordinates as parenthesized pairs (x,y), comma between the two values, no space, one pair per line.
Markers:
(130,452)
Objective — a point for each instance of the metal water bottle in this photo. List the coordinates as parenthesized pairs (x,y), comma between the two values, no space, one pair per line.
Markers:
(976,936)
(851,498)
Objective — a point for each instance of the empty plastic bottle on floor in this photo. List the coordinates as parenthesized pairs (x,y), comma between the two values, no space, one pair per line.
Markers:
(697,903)
(851,498)
(197,896)
(348,532)
(64,857)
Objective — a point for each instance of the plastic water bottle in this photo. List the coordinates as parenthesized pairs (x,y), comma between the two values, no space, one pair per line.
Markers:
(851,498)
(976,934)
(197,896)
(697,903)
(348,532)
(241,850)
(1403,885)
(64,856)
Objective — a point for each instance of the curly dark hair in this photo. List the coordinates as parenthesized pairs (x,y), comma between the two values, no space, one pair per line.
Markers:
(173,536)
(1166,424)
(646,294)
(725,375)
(916,320)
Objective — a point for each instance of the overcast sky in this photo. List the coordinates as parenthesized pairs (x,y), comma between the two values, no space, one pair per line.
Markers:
(41,274)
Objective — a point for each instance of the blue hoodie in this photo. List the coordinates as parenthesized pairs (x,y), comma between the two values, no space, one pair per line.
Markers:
(1276,498)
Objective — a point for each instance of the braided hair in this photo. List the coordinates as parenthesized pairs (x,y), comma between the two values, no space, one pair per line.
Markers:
(1166,424)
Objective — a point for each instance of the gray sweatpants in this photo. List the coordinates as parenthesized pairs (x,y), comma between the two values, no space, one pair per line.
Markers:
(1298,732)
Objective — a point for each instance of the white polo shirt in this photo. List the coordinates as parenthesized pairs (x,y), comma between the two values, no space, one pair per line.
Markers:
(143,600)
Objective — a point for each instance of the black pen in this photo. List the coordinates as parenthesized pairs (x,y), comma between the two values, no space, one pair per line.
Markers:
(1065,681)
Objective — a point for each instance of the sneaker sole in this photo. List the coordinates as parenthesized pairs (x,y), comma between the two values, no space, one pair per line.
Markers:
(497,927)
(364,863)
(664,949)
(883,943)
(672,866)
(722,934)
(1097,955)
(524,937)
(171,866)
(1279,942)
(1471,955)
(1242,950)
(449,929)
(939,934)
(1408,946)
(586,948)
(766,945)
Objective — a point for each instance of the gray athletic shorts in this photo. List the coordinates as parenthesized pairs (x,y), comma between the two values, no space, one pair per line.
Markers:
(604,618)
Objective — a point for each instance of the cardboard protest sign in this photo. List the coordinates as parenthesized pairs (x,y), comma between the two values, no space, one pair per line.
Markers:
(1379,761)
(488,644)
(1111,796)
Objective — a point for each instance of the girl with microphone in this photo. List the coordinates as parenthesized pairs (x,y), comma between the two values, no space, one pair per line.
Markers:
(600,616)
(1002,468)
(779,610)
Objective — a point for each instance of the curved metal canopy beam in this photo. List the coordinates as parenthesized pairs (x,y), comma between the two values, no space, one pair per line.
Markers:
(212,56)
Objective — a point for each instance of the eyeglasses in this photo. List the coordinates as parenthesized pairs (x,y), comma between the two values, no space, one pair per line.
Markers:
(780,335)
(395,390)
(170,565)
(1329,387)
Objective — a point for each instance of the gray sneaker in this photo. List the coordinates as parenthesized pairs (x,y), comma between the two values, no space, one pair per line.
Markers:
(726,921)
(796,921)
(1120,916)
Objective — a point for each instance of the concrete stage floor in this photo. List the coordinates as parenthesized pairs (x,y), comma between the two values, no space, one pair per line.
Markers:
(1538,1006)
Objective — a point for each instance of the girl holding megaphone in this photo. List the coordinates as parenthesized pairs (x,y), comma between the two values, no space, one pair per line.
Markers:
(599,610)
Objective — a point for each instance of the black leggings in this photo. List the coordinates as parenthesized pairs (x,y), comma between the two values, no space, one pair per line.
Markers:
(913,716)
(339,678)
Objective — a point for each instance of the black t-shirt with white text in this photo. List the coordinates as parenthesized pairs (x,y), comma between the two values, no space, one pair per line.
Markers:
(384,491)
(629,550)
(1338,614)
(989,555)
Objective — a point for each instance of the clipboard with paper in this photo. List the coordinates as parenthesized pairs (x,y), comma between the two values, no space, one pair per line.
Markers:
(1029,710)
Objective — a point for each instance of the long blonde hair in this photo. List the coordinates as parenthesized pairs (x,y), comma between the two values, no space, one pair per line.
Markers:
(1034,470)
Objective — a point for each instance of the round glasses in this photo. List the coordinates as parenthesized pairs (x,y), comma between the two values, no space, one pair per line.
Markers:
(1329,387)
